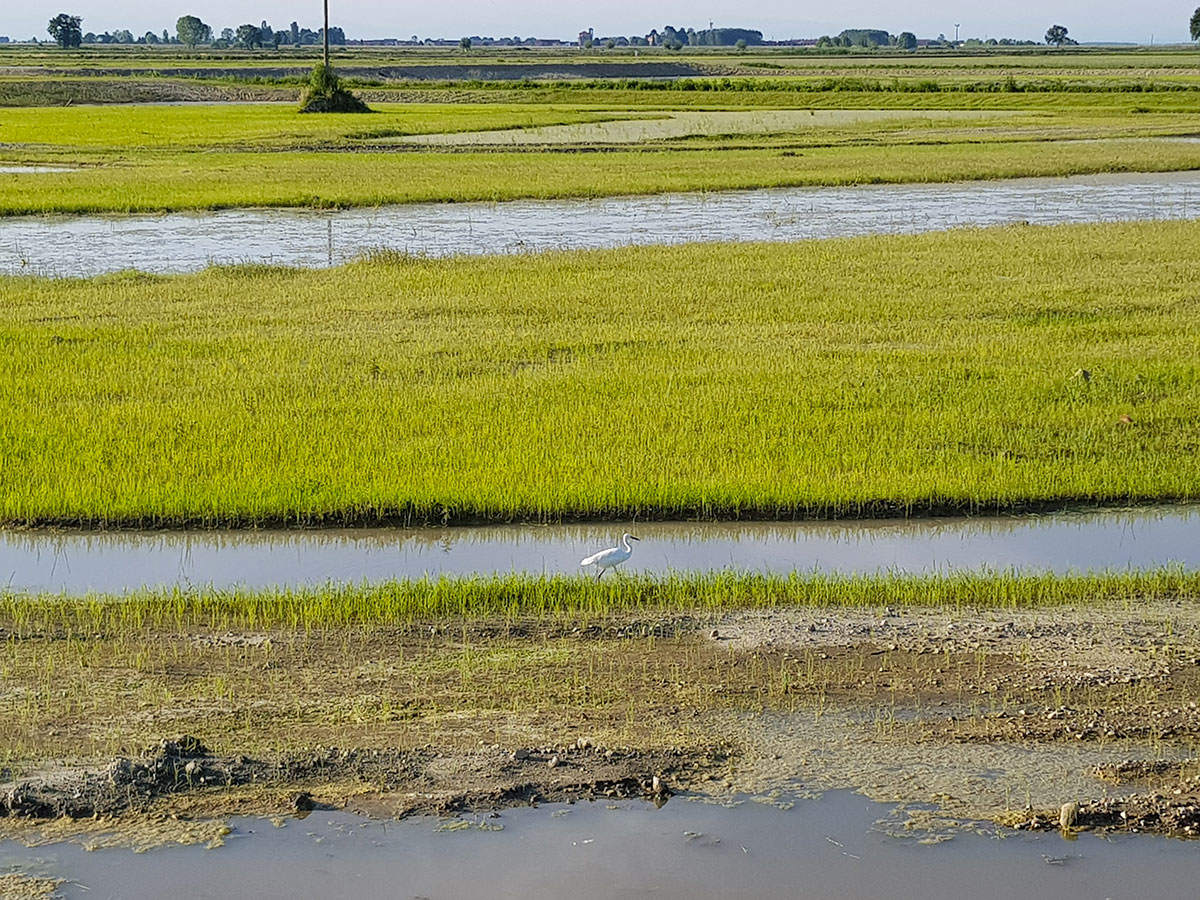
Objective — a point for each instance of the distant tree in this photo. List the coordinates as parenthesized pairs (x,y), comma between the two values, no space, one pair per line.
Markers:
(266,35)
(149,38)
(865,37)
(465,44)
(192,31)
(610,44)
(166,38)
(906,40)
(249,36)
(1057,35)
(1195,24)
(295,33)
(228,36)
(741,45)
(123,36)
(65,30)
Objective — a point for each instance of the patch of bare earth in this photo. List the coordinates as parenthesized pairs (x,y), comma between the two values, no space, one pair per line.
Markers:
(1011,715)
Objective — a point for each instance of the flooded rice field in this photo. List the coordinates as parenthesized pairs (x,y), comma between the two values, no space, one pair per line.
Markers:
(89,245)
(1093,540)
(34,170)
(690,123)
(837,847)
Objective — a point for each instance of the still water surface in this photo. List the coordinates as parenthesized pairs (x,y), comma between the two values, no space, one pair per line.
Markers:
(72,246)
(838,847)
(1071,541)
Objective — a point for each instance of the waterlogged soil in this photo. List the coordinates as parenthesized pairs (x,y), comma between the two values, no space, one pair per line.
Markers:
(688,124)
(182,773)
(1034,719)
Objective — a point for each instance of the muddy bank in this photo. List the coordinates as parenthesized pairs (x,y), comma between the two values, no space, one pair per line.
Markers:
(995,714)
(132,90)
(381,782)
(463,72)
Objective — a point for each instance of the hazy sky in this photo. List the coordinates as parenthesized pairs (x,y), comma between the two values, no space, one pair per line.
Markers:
(1087,20)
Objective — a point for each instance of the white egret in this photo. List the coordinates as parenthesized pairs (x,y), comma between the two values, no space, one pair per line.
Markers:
(613,556)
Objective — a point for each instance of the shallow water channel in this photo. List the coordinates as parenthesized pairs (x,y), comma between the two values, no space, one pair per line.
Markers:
(1070,541)
(838,847)
(72,246)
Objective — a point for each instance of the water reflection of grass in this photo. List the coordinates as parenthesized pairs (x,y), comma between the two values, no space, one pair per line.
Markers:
(845,377)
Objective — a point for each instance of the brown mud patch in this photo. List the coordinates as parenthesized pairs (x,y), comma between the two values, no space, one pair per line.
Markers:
(987,714)
(181,777)
(133,90)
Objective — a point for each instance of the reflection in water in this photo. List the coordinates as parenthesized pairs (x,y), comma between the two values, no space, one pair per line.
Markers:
(1074,541)
(838,847)
(80,246)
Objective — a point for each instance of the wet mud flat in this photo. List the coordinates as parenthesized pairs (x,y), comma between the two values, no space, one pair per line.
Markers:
(182,773)
(1003,715)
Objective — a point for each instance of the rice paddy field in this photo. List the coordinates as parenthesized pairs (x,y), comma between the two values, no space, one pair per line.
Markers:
(501,126)
(970,371)
(849,377)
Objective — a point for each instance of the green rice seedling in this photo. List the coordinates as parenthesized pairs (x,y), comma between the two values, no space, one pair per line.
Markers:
(462,600)
(322,180)
(852,377)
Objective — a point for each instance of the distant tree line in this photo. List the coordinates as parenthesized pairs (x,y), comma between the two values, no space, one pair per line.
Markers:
(867,38)
(677,38)
(67,32)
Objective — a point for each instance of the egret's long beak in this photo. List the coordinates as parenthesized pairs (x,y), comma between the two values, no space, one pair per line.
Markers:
(632,538)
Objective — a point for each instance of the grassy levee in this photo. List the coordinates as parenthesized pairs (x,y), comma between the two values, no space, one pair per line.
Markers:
(151,159)
(520,597)
(847,377)
(216,180)
(517,597)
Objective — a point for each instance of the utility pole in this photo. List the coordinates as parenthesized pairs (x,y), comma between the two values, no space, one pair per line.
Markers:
(326,33)
(955,26)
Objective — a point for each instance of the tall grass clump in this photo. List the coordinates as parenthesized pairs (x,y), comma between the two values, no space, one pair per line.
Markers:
(325,94)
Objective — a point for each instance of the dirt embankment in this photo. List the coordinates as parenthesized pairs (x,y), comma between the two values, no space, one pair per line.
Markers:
(132,90)
(394,783)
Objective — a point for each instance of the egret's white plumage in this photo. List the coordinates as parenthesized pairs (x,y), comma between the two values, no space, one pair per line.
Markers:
(613,556)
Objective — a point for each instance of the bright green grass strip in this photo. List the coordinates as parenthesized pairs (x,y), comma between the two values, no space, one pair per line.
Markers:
(843,377)
(260,125)
(229,180)
(400,602)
